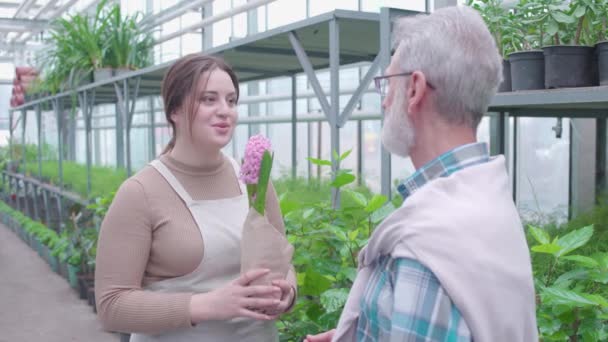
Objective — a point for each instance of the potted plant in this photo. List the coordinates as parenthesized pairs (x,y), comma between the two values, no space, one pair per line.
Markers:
(501,24)
(528,62)
(601,47)
(571,64)
(129,45)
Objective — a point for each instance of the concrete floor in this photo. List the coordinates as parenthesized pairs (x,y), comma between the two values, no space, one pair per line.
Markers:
(36,304)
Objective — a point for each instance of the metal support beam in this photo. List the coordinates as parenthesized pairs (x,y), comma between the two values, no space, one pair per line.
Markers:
(120,124)
(211,20)
(24,158)
(86,103)
(334,76)
(39,138)
(385,41)
(583,170)
(359,152)
(207,30)
(310,73)
(294,127)
(10,135)
(21,25)
(497,136)
(23,150)
(152,130)
(514,152)
(363,86)
(57,106)
(125,110)
(601,159)
(45,199)
(39,135)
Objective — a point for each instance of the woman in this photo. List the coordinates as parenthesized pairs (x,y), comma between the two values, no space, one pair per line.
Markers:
(168,257)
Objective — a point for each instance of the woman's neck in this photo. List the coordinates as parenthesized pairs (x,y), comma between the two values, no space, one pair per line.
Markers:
(189,155)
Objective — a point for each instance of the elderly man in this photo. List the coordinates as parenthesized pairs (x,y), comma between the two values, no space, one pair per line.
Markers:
(452,263)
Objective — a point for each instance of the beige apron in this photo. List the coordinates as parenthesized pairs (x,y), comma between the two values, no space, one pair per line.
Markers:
(220,223)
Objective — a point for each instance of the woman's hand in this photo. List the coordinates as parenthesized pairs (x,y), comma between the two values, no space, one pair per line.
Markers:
(323,337)
(236,299)
(287,297)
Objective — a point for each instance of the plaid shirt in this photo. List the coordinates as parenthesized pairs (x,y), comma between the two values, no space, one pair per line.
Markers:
(404,301)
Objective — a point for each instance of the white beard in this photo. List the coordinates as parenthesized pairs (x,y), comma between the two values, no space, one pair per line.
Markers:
(397,131)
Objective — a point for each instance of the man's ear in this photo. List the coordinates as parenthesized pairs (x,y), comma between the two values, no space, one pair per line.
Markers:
(416,91)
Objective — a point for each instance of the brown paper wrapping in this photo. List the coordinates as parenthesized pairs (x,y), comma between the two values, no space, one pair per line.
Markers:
(262,246)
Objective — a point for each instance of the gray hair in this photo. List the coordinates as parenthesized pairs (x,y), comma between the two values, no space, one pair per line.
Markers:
(457,54)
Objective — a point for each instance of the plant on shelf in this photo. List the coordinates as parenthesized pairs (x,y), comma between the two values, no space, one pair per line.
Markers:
(501,23)
(81,45)
(129,45)
(584,13)
(540,22)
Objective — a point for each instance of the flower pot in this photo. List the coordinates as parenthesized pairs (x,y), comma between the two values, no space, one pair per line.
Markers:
(39,247)
(63,270)
(102,74)
(53,263)
(73,275)
(121,71)
(505,86)
(527,70)
(602,62)
(568,66)
(91,298)
(85,281)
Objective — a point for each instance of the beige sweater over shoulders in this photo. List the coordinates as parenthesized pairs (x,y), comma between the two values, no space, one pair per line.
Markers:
(149,235)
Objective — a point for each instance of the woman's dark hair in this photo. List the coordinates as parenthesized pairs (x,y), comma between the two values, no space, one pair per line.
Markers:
(180,86)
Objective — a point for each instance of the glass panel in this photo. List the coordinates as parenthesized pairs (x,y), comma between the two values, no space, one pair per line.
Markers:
(543,171)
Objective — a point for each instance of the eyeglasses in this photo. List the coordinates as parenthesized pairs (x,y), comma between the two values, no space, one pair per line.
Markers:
(382,83)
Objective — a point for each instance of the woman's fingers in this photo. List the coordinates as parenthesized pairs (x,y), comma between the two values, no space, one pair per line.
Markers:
(284,286)
(260,291)
(250,276)
(259,303)
(255,315)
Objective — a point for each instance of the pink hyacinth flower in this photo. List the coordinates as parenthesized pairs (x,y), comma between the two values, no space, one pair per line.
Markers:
(254,151)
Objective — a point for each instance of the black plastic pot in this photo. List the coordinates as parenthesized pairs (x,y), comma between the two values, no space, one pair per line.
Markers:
(602,62)
(568,66)
(527,70)
(505,86)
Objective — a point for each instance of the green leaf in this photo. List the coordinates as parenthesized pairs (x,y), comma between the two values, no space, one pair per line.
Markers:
(574,240)
(320,162)
(264,178)
(562,17)
(566,297)
(602,259)
(334,299)
(315,283)
(572,275)
(335,154)
(552,27)
(342,180)
(352,235)
(549,248)
(597,299)
(345,155)
(579,11)
(376,203)
(599,277)
(288,205)
(540,235)
(308,213)
(357,198)
(582,260)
